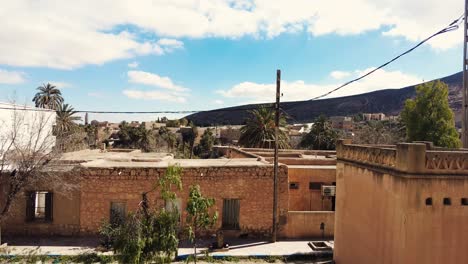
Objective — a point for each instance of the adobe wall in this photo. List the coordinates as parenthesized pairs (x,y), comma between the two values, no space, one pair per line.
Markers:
(381,217)
(303,224)
(66,216)
(252,185)
(304,199)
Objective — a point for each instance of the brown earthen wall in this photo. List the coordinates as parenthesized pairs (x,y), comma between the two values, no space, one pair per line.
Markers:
(304,199)
(66,216)
(307,224)
(382,217)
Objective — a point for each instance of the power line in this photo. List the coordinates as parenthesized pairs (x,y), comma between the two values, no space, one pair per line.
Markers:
(452,26)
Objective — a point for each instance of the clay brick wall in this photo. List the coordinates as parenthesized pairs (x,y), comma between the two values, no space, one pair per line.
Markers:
(252,185)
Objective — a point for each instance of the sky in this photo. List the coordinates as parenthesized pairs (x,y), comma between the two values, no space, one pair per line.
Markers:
(171,55)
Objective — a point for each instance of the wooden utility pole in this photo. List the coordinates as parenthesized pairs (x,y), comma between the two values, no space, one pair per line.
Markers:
(465,81)
(275,177)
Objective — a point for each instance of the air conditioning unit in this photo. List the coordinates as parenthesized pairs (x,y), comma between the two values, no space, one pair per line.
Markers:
(328,190)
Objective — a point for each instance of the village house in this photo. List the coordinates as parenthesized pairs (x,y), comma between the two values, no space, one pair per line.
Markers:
(110,184)
(401,204)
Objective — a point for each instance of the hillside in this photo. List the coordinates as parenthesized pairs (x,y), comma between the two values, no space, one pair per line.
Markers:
(388,101)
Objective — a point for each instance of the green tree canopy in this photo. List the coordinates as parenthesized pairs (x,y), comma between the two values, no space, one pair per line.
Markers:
(259,130)
(65,119)
(199,214)
(428,117)
(48,96)
(321,136)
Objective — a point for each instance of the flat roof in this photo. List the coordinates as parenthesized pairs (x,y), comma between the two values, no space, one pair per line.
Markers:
(137,159)
(185,163)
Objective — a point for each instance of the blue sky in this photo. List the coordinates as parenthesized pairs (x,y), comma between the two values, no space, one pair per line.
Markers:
(185,55)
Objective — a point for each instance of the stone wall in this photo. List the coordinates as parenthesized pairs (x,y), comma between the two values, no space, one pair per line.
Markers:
(252,185)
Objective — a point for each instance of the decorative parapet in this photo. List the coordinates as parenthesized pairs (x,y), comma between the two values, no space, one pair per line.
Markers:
(414,158)
(382,157)
(447,161)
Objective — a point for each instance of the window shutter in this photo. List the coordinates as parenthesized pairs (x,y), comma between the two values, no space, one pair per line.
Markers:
(30,202)
(49,206)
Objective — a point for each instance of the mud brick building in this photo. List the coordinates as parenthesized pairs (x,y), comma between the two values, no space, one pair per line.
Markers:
(401,204)
(242,184)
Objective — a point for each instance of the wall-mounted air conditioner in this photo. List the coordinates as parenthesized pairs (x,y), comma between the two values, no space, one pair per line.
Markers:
(328,190)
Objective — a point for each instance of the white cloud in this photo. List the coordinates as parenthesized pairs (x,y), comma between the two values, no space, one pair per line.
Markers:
(153,79)
(66,35)
(12,77)
(133,64)
(170,45)
(155,95)
(60,85)
(299,90)
(218,102)
(339,74)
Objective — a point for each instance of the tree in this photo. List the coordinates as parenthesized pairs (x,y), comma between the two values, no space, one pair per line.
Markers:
(183,122)
(149,235)
(259,130)
(380,132)
(321,136)
(48,97)
(199,215)
(188,137)
(206,143)
(65,119)
(428,117)
(27,155)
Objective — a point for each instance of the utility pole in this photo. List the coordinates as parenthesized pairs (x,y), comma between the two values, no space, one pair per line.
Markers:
(275,177)
(465,80)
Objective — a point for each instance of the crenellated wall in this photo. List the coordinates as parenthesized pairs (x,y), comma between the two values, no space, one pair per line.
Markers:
(401,205)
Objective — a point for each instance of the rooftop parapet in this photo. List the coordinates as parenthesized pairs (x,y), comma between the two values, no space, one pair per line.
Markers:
(412,158)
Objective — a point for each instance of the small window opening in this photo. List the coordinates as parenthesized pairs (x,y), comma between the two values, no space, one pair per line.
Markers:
(117,213)
(429,201)
(294,185)
(39,206)
(315,185)
(447,201)
(464,201)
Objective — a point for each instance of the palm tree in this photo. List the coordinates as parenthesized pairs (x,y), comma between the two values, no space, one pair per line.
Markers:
(259,130)
(65,119)
(48,97)
(321,136)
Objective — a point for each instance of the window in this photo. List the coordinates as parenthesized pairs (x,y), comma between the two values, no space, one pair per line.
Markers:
(315,185)
(293,185)
(231,208)
(447,201)
(464,201)
(117,212)
(39,206)
(429,201)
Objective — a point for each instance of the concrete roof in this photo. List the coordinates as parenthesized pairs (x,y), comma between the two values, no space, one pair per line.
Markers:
(185,163)
(138,159)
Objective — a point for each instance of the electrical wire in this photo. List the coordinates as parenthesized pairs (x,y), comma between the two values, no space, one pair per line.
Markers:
(452,26)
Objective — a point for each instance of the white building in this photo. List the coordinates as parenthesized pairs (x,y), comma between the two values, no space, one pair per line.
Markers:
(26,128)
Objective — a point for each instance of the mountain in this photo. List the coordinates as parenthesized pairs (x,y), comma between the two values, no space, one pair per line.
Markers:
(388,101)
